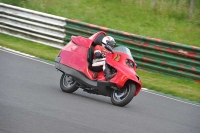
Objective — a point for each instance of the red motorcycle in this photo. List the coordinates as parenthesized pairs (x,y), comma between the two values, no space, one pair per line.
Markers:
(75,62)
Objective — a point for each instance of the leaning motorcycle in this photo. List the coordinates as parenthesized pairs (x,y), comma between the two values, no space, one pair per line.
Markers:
(75,62)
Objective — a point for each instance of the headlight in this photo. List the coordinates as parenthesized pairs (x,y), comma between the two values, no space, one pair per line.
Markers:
(130,63)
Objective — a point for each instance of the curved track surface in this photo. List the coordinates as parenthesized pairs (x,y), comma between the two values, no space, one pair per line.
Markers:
(31,102)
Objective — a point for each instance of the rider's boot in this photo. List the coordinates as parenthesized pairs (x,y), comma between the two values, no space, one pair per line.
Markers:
(107,73)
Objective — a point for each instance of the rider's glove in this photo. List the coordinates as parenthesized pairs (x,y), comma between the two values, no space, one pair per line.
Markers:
(99,55)
(103,55)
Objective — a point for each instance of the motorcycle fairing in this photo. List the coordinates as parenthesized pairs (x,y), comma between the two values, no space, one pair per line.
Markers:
(75,53)
(125,74)
(81,41)
(101,86)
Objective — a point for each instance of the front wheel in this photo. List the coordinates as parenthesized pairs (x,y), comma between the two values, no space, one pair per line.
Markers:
(67,83)
(123,96)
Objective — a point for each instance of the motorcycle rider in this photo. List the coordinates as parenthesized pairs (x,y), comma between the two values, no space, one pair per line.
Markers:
(100,53)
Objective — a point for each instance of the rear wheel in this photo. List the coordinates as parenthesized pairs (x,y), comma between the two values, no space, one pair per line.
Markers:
(123,96)
(67,83)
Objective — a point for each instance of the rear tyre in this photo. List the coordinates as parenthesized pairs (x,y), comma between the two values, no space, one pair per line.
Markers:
(68,84)
(123,96)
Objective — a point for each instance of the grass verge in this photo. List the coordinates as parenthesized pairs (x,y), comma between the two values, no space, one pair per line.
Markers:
(169,20)
(178,87)
(28,47)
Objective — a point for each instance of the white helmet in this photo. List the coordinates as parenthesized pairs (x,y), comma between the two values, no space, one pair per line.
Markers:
(108,40)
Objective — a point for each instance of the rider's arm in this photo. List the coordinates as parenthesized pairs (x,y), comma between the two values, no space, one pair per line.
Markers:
(97,52)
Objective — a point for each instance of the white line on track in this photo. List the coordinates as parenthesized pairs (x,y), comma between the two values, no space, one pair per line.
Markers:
(171,98)
(24,55)
(35,59)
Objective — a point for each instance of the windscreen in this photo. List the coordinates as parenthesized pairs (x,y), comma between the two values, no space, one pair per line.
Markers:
(123,50)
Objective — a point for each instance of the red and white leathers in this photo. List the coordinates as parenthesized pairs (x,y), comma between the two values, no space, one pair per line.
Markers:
(100,60)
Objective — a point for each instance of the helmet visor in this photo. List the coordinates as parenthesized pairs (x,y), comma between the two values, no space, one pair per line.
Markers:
(111,43)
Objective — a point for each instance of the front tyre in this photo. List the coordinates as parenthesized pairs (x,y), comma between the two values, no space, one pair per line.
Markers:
(67,83)
(123,96)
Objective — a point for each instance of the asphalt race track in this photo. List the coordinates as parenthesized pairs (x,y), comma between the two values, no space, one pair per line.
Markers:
(31,102)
